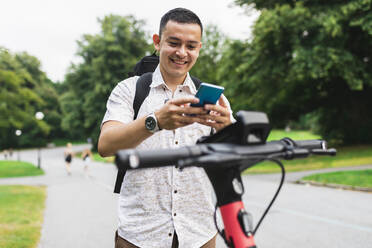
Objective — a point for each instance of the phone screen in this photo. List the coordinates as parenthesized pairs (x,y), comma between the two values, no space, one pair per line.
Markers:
(208,94)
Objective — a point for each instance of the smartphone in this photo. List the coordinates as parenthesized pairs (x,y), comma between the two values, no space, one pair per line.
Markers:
(208,94)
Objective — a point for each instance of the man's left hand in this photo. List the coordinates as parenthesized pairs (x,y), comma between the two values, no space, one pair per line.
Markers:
(219,115)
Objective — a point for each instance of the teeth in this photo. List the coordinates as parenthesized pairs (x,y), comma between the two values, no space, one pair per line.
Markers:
(179,62)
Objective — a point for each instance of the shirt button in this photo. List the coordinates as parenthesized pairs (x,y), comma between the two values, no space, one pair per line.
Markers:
(176,142)
(180,90)
(170,234)
(174,214)
(175,191)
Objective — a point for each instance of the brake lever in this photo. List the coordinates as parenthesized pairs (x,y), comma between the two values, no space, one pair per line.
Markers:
(329,152)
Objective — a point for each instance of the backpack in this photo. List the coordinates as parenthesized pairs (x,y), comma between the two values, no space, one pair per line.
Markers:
(144,69)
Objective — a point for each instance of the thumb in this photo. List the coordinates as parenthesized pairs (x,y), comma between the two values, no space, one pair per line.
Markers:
(222,102)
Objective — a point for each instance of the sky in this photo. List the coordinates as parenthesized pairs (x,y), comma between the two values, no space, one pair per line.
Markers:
(49,29)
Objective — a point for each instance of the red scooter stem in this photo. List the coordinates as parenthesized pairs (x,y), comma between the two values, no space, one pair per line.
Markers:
(234,232)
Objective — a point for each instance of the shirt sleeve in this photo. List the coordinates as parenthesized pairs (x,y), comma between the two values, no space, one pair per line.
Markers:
(119,105)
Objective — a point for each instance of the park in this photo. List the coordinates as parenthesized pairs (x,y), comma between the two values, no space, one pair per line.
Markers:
(307,66)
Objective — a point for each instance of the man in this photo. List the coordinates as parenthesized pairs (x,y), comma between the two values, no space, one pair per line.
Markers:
(165,207)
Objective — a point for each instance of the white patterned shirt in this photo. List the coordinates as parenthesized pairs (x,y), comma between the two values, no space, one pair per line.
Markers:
(156,202)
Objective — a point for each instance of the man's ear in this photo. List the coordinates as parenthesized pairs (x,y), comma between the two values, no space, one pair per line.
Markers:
(156,40)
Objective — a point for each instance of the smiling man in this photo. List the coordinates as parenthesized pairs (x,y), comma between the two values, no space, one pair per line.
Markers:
(178,45)
(165,207)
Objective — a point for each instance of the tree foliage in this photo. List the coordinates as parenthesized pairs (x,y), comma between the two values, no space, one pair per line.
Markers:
(25,90)
(309,57)
(106,58)
(214,44)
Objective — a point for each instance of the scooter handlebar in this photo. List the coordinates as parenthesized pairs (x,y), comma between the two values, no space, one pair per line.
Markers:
(135,158)
(311,144)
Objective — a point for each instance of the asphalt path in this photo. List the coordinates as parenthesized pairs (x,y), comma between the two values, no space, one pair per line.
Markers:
(81,208)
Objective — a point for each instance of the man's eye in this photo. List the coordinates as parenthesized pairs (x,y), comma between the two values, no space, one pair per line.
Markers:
(173,44)
(191,47)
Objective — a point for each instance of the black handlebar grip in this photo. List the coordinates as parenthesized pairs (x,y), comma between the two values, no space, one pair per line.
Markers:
(122,158)
(311,144)
(135,159)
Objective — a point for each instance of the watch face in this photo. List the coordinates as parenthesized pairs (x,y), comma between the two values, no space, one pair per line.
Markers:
(150,123)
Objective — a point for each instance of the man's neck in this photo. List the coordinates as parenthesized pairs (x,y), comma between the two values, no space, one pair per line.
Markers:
(173,82)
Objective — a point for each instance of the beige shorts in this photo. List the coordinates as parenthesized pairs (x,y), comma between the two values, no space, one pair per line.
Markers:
(122,243)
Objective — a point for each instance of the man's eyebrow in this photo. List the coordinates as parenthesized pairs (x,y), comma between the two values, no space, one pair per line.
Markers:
(177,39)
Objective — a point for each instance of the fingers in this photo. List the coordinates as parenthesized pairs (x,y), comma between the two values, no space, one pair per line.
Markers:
(221,110)
(212,119)
(178,121)
(176,113)
(219,116)
(217,123)
(187,120)
(186,110)
(183,101)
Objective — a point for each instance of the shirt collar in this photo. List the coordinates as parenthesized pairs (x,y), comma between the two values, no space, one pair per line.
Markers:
(157,80)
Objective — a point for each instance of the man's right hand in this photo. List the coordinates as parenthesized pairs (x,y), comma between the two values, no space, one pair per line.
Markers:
(174,114)
(178,113)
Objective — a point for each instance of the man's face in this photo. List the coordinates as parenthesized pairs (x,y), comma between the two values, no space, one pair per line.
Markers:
(178,48)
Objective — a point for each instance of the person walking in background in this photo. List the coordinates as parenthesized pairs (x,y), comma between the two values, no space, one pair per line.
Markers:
(87,157)
(68,157)
(10,153)
(5,154)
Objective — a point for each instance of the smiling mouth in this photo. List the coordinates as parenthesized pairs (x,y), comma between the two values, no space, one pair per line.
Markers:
(178,62)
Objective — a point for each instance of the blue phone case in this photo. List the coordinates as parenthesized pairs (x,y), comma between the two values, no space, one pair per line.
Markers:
(208,94)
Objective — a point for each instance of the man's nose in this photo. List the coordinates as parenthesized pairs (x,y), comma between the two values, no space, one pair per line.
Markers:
(181,51)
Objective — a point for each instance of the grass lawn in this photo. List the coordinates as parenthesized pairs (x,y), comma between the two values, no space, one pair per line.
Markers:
(98,158)
(295,134)
(21,215)
(9,168)
(360,178)
(346,156)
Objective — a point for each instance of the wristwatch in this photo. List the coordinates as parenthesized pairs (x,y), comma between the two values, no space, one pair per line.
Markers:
(151,123)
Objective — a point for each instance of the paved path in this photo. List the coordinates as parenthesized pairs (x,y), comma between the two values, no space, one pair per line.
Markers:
(81,208)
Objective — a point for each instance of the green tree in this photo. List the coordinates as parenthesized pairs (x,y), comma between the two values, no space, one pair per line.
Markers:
(46,89)
(232,76)
(310,57)
(107,58)
(24,90)
(214,44)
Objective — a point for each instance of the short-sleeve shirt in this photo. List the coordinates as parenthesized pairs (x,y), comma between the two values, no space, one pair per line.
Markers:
(154,203)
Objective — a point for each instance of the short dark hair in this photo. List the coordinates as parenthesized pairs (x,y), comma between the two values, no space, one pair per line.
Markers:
(180,15)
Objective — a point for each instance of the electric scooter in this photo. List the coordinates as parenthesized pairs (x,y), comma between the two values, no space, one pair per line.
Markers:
(224,156)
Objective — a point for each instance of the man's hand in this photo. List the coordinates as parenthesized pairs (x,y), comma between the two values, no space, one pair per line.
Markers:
(178,113)
(219,115)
